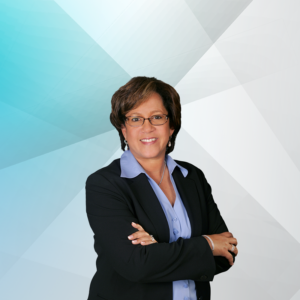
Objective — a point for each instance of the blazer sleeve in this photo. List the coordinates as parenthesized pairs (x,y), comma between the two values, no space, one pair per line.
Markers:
(110,216)
(216,224)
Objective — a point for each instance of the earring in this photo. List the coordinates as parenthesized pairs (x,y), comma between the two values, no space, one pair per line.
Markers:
(169,144)
(126,144)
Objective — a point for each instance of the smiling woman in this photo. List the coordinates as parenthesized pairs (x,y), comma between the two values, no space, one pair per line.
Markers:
(138,90)
(158,232)
(148,141)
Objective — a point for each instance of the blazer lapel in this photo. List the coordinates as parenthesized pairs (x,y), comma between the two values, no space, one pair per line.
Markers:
(147,198)
(151,205)
(190,198)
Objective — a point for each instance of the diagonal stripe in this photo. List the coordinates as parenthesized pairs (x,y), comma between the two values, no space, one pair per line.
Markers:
(231,129)
(39,189)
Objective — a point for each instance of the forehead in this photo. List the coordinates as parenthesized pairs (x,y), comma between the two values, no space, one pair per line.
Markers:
(151,105)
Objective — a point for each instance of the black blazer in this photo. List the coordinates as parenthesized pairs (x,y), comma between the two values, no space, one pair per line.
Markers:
(134,272)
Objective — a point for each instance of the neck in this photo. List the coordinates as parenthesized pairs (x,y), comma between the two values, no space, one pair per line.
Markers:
(153,166)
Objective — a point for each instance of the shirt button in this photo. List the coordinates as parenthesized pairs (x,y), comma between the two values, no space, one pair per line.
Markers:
(185,285)
(175,231)
(175,219)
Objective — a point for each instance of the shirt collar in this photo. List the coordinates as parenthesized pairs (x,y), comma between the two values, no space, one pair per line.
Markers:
(131,168)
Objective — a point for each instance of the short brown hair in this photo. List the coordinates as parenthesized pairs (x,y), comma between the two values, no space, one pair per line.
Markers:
(137,90)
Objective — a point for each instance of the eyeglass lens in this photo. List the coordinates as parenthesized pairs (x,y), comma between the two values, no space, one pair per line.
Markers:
(155,120)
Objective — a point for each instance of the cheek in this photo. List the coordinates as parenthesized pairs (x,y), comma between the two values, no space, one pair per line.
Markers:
(169,132)
(132,134)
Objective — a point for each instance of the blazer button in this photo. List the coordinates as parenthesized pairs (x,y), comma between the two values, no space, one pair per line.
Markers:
(203,277)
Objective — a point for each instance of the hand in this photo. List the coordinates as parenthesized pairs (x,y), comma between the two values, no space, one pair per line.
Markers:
(141,237)
(223,243)
(229,235)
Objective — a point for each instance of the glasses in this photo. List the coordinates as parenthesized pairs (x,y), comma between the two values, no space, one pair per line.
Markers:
(155,120)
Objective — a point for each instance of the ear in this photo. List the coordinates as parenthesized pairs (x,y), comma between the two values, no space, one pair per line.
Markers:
(124,131)
(171,131)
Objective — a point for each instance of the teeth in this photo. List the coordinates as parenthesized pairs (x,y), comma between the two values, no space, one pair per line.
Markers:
(148,140)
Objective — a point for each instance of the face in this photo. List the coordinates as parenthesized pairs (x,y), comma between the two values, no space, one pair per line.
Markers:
(136,136)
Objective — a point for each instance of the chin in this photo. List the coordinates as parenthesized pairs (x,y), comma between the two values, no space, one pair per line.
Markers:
(150,153)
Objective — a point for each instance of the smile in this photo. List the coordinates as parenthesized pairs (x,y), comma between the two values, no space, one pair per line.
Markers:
(149,141)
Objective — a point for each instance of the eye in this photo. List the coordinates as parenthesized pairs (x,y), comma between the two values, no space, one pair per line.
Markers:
(135,119)
(157,117)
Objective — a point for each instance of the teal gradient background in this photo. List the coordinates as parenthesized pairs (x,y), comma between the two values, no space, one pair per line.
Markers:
(60,63)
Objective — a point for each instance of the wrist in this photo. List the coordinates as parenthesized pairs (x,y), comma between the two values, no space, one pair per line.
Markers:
(210,242)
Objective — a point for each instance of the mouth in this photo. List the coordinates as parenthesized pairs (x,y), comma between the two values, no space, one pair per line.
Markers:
(148,141)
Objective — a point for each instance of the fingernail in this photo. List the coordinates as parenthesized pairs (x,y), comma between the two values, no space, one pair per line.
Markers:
(142,242)
(133,223)
(130,236)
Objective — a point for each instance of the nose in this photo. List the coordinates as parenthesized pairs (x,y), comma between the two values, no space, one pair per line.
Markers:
(147,126)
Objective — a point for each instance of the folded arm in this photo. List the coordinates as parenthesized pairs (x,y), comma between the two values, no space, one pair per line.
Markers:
(216,224)
(110,218)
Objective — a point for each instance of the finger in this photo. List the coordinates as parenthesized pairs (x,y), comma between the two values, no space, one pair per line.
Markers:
(235,250)
(229,247)
(141,240)
(139,227)
(229,257)
(233,241)
(137,235)
(148,243)
(226,234)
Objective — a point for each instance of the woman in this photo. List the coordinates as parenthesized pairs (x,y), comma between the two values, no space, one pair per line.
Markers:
(158,232)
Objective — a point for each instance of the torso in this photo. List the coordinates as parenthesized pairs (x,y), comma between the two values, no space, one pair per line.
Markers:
(167,187)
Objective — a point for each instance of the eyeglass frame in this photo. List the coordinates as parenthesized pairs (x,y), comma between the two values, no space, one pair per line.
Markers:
(147,119)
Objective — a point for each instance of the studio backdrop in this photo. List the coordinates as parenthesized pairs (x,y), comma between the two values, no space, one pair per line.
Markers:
(236,67)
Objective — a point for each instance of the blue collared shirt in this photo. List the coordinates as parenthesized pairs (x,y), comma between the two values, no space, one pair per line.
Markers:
(177,217)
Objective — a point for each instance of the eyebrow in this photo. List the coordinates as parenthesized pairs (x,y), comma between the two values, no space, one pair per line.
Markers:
(153,111)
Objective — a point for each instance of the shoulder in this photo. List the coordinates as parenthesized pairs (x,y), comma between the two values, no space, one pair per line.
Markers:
(106,174)
(195,174)
(192,169)
(105,188)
